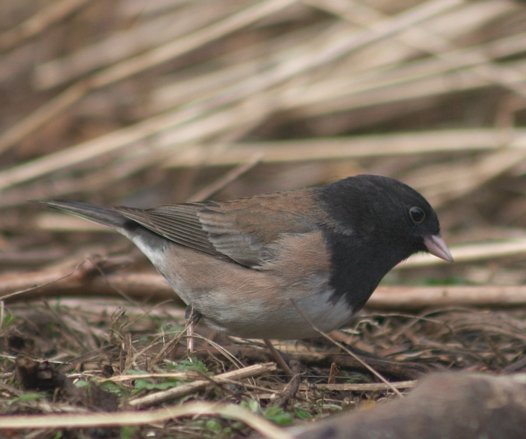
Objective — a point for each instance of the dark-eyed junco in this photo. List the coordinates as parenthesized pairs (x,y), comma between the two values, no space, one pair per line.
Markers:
(266,266)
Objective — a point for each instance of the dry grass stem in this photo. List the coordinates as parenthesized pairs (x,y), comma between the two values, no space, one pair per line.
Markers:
(186,389)
(38,23)
(123,418)
(367,387)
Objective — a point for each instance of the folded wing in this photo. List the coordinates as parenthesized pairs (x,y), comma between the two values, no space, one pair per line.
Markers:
(244,231)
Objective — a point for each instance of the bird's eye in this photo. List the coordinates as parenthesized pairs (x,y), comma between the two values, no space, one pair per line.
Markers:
(417,215)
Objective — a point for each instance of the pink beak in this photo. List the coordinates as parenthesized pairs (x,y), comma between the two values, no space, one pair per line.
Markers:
(437,246)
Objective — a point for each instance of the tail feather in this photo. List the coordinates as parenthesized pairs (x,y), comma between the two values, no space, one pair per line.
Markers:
(102,215)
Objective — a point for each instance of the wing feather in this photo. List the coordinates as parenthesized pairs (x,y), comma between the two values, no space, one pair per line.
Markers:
(243,231)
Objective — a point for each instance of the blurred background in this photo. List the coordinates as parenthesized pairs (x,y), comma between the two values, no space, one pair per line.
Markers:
(144,103)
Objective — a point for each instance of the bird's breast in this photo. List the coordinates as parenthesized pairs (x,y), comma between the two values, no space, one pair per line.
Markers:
(285,299)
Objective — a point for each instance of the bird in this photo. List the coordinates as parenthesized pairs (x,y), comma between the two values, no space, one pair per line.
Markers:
(282,265)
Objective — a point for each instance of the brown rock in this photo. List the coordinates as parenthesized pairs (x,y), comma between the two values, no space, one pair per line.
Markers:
(444,406)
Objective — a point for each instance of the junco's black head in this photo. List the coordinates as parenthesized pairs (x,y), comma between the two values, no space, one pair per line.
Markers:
(377,208)
(376,223)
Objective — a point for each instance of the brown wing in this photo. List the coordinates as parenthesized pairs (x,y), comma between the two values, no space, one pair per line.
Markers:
(243,230)
(178,223)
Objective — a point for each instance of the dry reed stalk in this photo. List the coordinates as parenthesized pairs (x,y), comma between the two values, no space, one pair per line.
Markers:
(152,287)
(360,387)
(137,64)
(39,22)
(453,182)
(415,298)
(127,43)
(17,176)
(230,24)
(359,147)
(186,389)
(471,253)
(134,417)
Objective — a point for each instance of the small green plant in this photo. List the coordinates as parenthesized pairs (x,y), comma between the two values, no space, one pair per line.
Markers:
(189,365)
(81,383)
(114,388)
(171,329)
(148,384)
(302,414)
(8,320)
(28,397)
(278,415)
(128,432)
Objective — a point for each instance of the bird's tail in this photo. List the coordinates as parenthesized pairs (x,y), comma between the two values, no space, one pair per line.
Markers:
(102,215)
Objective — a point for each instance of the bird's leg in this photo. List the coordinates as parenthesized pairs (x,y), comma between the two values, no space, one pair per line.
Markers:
(192,317)
(279,358)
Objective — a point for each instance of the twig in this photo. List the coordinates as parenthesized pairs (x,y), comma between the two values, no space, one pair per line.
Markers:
(362,387)
(471,253)
(55,283)
(152,287)
(414,298)
(134,417)
(278,357)
(185,389)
